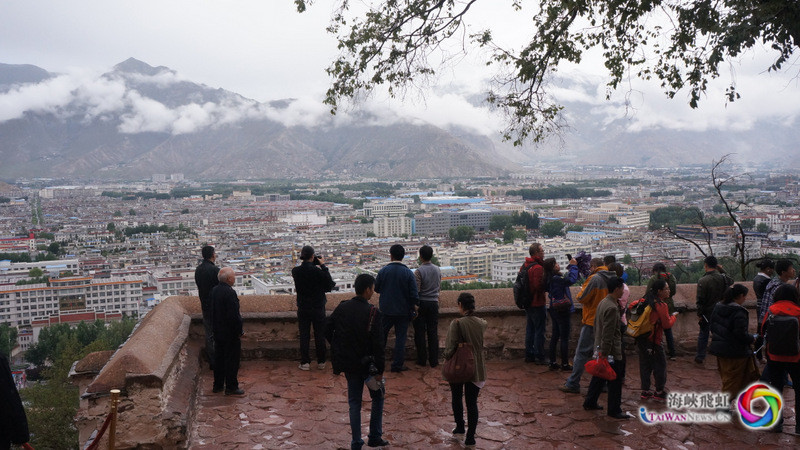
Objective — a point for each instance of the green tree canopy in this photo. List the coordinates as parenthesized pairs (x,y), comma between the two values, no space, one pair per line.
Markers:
(497,223)
(762,228)
(8,338)
(680,44)
(462,233)
(552,229)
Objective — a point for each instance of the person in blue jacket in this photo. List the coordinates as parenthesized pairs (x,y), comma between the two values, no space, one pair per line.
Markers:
(398,302)
(560,308)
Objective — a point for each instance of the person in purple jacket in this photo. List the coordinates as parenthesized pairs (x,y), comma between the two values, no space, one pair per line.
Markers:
(560,309)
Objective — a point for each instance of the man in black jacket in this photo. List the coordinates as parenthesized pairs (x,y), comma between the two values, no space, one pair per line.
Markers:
(311,281)
(13,422)
(206,277)
(355,333)
(227,334)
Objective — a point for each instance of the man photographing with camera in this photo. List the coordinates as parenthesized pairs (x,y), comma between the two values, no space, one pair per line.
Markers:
(311,281)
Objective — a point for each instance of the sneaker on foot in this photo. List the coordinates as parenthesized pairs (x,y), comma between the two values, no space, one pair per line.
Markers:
(698,361)
(304,366)
(569,390)
(566,368)
(553,366)
(660,396)
(469,442)
(321,366)
(458,431)
(646,395)
(235,392)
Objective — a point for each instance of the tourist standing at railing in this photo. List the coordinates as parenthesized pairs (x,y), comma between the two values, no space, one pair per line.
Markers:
(710,289)
(13,422)
(227,334)
(731,341)
(469,328)
(786,273)
(594,289)
(398,302)
(311,281)
(561,308)
(206,277)
(426,324)
(357,348)
(766,269)
(536,312)
(660,273)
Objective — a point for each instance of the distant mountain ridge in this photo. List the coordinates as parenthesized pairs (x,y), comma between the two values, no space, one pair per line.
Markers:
(136,120)
(165,124)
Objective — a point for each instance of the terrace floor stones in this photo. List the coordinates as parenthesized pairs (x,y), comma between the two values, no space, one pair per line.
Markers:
(520,408)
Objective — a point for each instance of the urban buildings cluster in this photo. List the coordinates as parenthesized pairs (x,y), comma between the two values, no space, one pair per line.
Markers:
(124,247)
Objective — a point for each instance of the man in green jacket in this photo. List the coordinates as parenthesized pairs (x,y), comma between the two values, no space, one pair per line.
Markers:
(608,343)
(710,289)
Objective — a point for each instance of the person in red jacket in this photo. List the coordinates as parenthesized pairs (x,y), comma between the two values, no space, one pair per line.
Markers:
(536,312)
(786,302)
(652,359)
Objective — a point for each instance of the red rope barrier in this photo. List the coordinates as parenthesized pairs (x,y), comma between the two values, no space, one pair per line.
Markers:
(96,442)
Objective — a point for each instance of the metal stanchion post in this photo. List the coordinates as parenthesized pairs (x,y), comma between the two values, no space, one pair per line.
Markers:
(113,430)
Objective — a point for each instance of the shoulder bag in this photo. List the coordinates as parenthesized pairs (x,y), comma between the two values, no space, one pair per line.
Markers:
(460,368)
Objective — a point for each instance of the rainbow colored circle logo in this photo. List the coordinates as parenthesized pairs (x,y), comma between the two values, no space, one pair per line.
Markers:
(770,415)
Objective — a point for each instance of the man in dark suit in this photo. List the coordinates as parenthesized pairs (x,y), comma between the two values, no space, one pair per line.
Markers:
(356,336)
(227,334)
(206,277)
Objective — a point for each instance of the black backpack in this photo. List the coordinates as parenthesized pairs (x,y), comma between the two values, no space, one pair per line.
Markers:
(782,335)
(522,288)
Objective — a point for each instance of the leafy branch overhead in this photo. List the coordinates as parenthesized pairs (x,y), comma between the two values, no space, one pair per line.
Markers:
(680,43)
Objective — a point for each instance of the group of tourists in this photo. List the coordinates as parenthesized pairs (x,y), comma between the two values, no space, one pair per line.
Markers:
(357,331)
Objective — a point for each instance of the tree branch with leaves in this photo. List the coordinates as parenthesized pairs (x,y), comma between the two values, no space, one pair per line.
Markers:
(680,43)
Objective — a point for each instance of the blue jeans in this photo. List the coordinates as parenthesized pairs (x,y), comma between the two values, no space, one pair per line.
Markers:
(559,334)
(583,353)
(534,333)
(400,324)
(355,391)
(702,339)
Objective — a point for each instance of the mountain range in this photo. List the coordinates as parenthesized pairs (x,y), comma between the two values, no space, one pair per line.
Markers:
(137,120)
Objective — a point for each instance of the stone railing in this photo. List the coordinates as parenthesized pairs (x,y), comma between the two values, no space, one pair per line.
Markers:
(157,368)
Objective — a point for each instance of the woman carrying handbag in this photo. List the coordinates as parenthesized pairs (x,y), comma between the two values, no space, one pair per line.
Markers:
(468,329)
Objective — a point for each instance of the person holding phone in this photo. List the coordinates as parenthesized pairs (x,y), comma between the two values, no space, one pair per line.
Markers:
(311,281)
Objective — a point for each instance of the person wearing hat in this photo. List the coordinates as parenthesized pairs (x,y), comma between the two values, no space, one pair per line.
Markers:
(311,281)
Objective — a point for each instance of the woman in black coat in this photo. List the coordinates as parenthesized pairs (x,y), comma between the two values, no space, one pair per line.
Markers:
(13,422)
(730,341)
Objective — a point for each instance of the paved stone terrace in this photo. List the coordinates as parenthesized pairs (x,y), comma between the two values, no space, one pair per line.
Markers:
(520,408)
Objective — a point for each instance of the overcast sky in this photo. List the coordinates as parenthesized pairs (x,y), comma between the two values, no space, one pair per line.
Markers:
(265,50)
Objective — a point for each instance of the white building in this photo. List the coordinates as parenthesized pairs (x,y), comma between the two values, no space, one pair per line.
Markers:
(505,270)
(387,208)
(392,226)
(19,305)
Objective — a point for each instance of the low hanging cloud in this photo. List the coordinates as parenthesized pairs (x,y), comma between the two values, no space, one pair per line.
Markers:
(643,105)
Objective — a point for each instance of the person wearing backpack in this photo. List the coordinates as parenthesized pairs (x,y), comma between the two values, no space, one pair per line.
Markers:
(780,345)
(561,308)
(535,313)
(730,342)
(652,359)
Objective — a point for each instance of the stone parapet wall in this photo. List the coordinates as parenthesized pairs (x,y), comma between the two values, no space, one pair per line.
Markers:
(157,368)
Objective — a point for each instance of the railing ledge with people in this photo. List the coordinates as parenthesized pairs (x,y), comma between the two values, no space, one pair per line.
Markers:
(157,369)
